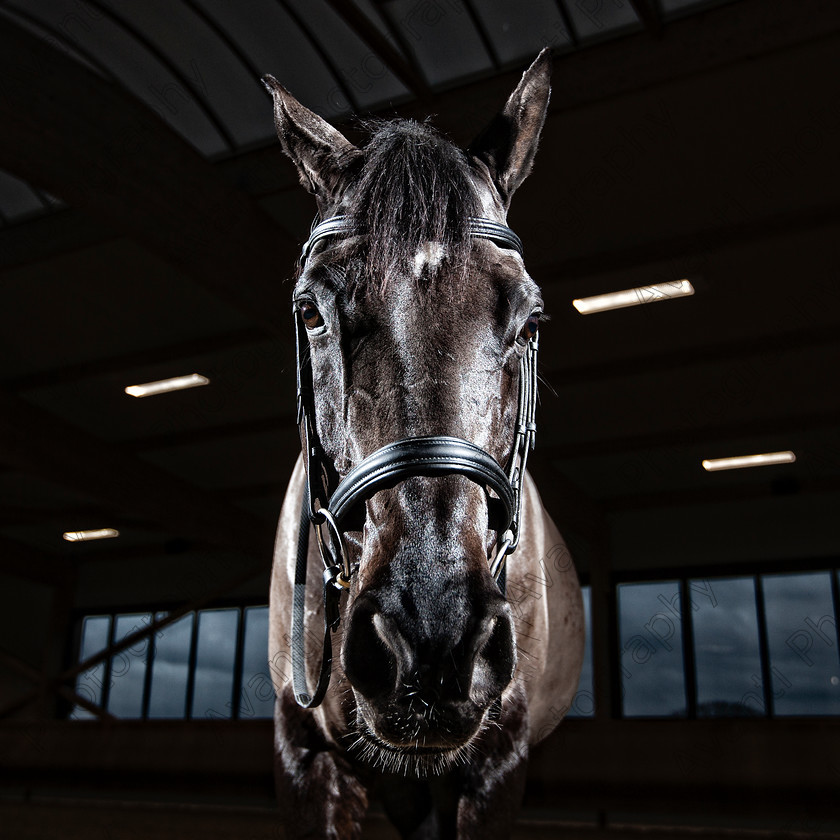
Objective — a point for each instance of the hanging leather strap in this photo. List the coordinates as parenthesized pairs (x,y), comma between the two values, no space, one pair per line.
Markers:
(300,684)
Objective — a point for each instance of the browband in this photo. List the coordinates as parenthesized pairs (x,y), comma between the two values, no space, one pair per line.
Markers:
(500,234)
(483,228)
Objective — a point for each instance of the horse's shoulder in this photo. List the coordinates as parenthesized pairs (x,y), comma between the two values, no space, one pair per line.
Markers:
(545,598)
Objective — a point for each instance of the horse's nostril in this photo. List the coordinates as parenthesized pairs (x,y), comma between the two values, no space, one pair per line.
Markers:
(369,662)
(496,660)
(401,662)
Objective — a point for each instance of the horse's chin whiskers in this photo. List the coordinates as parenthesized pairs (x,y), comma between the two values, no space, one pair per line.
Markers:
(369,748)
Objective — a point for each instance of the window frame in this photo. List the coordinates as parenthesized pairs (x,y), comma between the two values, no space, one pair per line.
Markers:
(79,615)
(682,576)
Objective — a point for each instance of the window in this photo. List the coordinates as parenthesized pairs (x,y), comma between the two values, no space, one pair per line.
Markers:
(650,629)
(727,654)
(688,647)
(256,698)
(96,634)
(193,667)
(802,643)
(171,669)
(730,647)
(128,668)
(214,664)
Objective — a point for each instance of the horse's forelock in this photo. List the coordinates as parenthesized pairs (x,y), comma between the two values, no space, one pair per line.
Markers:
(414,188)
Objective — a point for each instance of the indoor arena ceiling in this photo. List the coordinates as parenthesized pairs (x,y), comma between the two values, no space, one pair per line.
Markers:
(148,223)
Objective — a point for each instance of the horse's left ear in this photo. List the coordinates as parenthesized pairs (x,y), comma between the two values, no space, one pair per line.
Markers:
(320,152)
(508,145)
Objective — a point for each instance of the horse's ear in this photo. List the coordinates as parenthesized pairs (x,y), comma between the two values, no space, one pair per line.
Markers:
(508,145)
(320,152)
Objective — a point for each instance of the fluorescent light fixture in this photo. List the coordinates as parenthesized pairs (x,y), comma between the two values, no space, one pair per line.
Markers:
(633,297)
(161,386)
(749,461)
(96,534)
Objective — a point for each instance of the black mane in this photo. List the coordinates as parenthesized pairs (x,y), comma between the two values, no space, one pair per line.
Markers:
(414,187)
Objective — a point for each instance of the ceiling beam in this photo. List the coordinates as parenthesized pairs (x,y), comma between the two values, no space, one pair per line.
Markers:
(368,32)
(62,232)
(34,440)
(648,14)
(24,562)
(553,275)
(750,428)
(696,243)
(726,353)
(692,45)
(284,425)
(733,32)
(746,491)
(68,130)
(695,44)
(125,362)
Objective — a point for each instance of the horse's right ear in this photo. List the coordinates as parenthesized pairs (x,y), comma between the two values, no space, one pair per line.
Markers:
(508,145)
(320,152)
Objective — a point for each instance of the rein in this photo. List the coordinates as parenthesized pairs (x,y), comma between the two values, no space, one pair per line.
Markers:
(331,512)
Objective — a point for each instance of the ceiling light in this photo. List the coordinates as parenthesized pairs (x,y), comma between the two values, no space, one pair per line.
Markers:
(162,386)
(749,461)
(633,297)
(96,534)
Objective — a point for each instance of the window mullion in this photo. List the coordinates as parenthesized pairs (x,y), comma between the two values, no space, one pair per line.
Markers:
(147,678)
(106,671)
(764,648)
(237,665)
(191,667)
(689,662)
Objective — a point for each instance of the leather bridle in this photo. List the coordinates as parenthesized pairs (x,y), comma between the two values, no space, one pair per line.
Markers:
(333,506)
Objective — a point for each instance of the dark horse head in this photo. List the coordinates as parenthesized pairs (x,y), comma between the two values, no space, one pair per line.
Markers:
(416,328)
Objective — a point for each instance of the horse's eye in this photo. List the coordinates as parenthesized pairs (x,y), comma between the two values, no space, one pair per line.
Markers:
(311,316)
(531,327)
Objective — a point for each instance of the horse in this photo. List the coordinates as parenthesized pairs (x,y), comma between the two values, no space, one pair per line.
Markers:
(401,534)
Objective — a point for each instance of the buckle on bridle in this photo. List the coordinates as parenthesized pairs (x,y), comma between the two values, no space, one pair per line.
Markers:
(506,545)
(338,553)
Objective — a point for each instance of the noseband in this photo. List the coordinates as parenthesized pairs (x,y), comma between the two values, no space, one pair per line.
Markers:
(334,506)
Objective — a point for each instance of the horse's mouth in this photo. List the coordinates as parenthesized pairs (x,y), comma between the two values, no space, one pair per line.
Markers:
(411,759)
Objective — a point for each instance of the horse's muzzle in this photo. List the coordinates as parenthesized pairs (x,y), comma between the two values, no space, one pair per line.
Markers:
(426,680)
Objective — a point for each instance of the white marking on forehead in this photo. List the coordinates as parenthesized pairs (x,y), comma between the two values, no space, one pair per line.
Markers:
(490,207)
(429,253)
